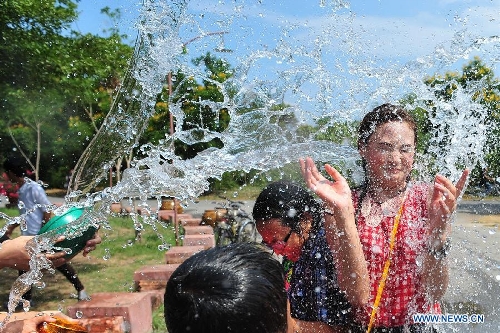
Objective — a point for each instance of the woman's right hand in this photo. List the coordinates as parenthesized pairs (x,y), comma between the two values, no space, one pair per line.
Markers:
(335,194)
(343,239)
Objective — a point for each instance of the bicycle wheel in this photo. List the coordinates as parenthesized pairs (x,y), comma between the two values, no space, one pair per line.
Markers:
(222,236)
(247,231)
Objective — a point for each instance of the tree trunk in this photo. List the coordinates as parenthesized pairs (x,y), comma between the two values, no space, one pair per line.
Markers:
(38,149)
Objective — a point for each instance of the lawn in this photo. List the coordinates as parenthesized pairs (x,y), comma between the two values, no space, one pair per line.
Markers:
(110,268)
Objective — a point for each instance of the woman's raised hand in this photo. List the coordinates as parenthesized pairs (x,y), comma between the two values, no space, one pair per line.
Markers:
(335,194)
(444,201)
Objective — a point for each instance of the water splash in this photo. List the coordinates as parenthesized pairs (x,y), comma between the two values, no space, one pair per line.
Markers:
(320,74)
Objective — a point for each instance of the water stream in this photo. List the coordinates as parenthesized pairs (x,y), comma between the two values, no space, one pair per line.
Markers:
(321,69)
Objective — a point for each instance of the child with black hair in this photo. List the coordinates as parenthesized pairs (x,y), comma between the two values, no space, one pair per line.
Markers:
(290,221)
(233,288)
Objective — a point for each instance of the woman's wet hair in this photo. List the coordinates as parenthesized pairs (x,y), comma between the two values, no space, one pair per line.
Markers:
(382,114)
(288,202)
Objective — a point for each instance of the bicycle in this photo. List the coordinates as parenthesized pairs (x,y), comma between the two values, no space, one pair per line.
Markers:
(234,225)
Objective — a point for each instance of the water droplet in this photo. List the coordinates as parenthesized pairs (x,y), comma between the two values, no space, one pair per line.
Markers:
(291,212)
(26,305)
(492,231)
(107,254)
(39,284)
(418,262)
(163,247)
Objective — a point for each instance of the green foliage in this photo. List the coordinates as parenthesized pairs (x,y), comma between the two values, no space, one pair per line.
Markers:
(475,75)
(55,87)
(421,117)
(200,118)
(234,180)
(31,35)
(338,132)
(159,325)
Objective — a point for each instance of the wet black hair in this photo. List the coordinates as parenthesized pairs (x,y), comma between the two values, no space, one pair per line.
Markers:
(235,288)
(289,202)
(380,115)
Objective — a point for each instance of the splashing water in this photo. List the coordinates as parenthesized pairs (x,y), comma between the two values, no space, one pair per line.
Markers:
(326,73)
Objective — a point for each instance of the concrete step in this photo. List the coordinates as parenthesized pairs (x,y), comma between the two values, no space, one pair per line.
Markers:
(190,221)
(207,241)
(135,308)
(153,277)
(177,254)
(198,230)
(169,215)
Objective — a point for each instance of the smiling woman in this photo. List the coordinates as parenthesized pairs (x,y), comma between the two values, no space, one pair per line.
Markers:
(403,226)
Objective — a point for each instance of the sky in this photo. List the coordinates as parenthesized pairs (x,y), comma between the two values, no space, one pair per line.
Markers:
(331,40)
(390,27)
(323,58)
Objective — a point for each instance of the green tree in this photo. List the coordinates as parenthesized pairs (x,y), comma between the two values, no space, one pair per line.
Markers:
(30,124)
(338,132)
(200,116)
(480,79)
(31,33)
(55,86)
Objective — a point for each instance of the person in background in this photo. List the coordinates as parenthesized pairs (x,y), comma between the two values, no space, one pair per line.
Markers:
(67,179)
(290,221)
(34,204)
(488,181)
(233,288)
(404,226)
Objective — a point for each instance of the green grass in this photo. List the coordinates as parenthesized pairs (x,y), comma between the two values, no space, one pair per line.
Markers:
(110,268)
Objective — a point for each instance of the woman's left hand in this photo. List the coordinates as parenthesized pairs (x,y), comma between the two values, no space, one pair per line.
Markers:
(444,202)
